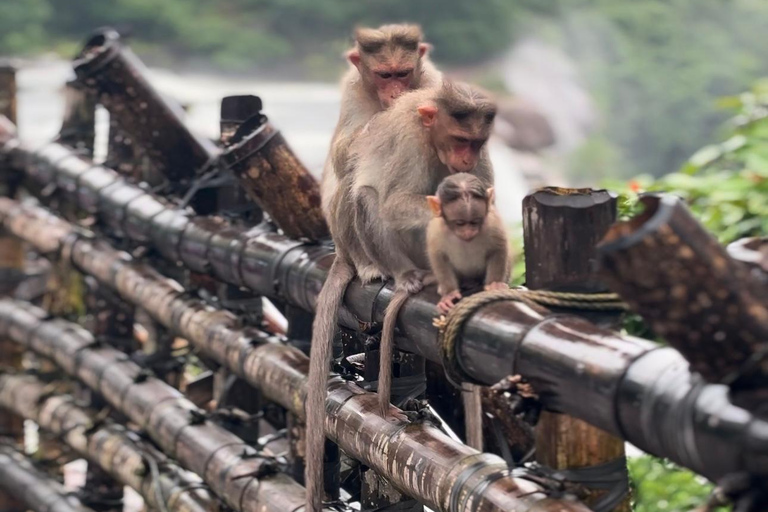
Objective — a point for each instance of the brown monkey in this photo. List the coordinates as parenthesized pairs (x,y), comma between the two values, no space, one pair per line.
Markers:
(412,146)
(467,246)
(385,63)
(400,157)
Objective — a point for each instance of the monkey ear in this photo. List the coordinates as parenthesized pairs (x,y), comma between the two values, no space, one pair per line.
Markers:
(424,48)
(434,205)
(353,56)
(428,114)
(491,195)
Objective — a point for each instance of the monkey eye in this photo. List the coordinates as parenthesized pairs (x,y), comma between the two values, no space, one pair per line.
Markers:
(461,140)
(402,74)
(385,76)
(489,117)
(460,115)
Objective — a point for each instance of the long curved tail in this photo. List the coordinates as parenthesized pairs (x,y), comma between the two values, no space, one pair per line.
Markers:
(387,348)
(323,329)
(473,415)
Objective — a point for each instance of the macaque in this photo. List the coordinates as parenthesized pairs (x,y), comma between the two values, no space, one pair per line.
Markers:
(466,241)
(385,63)
(467,247)
(401,157)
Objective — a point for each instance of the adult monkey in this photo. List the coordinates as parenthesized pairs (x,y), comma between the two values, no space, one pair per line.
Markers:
(396,161)
(386,62)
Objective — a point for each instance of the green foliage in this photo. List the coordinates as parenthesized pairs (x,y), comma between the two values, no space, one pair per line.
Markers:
(243,33)
(661,486)
(655,67)
(725,184)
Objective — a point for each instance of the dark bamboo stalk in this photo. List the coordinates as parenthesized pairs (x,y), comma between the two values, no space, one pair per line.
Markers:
(11,268)
(275,178)
(561,228)
(39,492)
(116,450)
(113,73)
(236,472)
(501,339)
(682,281)
(78,130)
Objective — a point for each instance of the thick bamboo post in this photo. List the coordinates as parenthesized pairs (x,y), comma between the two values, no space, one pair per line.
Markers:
(704,303)
(561,229)
(11,267)
(275,178)
(118,78)
(78,129)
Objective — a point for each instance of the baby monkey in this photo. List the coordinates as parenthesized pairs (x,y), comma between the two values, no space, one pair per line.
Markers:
(467,245)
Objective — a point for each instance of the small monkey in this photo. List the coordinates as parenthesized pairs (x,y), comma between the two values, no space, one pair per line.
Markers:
(385,62)
(400,158)
(467,246)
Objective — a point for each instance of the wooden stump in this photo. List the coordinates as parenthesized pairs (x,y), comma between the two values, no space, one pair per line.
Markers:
(279,183)
(561,229)
(704,303)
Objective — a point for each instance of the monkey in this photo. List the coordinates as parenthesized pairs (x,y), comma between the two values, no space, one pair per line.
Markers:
(384,63)
(466,246)
(402,156)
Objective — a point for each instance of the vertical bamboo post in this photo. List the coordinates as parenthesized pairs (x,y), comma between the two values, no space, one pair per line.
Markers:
(561,230)
(11,263)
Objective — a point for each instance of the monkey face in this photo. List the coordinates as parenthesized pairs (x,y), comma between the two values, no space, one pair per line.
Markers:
(465,217)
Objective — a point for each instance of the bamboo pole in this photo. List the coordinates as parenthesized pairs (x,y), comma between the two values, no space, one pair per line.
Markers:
(446,474)
(561,228)
(694,295)
(37,491)
(622,390)
(246,479)
(119,452)
(11,266)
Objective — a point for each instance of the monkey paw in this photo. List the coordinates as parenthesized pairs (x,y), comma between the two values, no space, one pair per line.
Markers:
(411,281)
(369,274)
(447,301)
(498,285)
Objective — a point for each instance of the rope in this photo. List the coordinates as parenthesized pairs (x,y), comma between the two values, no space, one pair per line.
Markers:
(450,326)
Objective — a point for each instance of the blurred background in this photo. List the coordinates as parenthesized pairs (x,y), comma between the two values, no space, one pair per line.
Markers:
(641,95)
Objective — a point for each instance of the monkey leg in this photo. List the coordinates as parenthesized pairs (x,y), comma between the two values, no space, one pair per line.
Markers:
(387,249)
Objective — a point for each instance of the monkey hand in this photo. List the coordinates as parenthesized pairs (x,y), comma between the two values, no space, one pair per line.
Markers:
(411,281)
(447,301)
(498,285)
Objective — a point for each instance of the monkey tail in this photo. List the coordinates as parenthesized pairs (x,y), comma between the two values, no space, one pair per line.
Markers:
(387,348)
(323,329)
(473,415)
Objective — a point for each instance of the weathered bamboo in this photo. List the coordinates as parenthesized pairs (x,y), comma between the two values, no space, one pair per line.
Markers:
(36,490)
(113,73)
(699,299)
(118,451)
(446,477)
(561,228)
(78,129)
(237,473)
(619,391)
(11,267)
(275,178)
